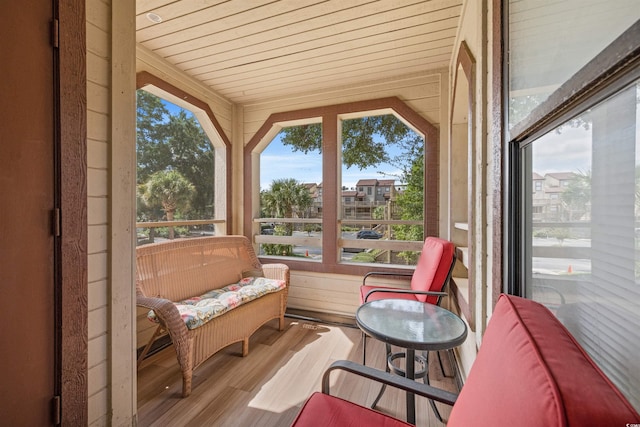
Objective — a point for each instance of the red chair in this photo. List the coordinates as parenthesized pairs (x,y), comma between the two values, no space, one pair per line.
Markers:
(428,280)
(323,409)
(430,277)
(529,372)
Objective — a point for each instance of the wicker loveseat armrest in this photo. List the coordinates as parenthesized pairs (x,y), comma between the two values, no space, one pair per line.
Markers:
(170,319)
(276,271)
(166,311)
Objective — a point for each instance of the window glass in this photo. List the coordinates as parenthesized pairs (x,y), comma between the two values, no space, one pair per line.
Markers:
(175,171)
(320,233)
(582,232)
(380,153)
(549,41)
(291,194)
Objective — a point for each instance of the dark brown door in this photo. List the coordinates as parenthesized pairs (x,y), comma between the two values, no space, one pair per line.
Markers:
(27,176)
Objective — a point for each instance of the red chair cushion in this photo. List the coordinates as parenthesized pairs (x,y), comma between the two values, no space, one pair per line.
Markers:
(324,410)
(432,268)
(430,274)
(531,372)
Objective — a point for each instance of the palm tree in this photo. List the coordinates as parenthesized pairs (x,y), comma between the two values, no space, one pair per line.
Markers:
(169,190)
(284,198)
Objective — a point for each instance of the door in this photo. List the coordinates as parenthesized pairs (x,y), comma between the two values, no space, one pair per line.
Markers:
(27,177)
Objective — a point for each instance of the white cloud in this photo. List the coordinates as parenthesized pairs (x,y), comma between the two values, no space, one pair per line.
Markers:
(567,151)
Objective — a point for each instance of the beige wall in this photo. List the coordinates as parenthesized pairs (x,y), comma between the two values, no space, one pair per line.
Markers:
(110,182)
(98,147)
(420,91)
(475,21)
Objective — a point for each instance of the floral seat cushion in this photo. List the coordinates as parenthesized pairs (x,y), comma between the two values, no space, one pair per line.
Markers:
(197,311)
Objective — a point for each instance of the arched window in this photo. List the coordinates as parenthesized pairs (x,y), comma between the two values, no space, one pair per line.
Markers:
(351,218)
(182,165)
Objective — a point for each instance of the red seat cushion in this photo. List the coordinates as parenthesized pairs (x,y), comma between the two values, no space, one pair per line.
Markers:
(531,372)
(324,410)
(430,274)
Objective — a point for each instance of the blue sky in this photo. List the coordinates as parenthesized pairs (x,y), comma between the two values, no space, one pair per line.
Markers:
(278,161)
(173,108)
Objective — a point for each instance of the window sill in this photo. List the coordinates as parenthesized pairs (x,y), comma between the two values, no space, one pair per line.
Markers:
(353,269)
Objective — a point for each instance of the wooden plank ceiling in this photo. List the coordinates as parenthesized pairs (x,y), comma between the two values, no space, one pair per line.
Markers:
(256,50)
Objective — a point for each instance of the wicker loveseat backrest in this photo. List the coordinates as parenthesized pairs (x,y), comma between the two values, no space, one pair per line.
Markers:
(183,268)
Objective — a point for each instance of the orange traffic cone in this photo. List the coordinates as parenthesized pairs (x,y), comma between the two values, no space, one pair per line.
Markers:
(306,253)
(570,269)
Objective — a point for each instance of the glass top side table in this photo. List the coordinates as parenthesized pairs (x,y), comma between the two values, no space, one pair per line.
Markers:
(412,325)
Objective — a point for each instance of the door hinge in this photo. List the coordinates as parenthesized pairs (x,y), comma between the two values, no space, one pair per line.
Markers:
(56,410)
(57,224)
(55,33)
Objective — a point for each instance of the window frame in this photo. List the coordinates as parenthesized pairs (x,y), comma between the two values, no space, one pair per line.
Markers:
(330,117)
(615,67)
(153,84)
(602,79)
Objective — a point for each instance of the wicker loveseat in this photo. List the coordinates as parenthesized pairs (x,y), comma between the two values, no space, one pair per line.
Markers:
(208,293)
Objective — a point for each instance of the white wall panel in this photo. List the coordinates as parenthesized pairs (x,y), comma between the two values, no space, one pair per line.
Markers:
(98,106)
(421,92)
(330,293)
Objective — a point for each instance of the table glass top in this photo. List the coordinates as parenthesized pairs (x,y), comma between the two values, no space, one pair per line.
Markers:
(411,324)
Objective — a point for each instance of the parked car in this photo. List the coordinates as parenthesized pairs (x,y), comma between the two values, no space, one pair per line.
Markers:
(368,234)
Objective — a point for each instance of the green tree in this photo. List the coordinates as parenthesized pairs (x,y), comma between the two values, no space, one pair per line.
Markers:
(170,191)
(192,155)
(364,140)
(378,212)
(152,151)
(560,233)
(577,195)
(285,198)
(411,206)
(166,140)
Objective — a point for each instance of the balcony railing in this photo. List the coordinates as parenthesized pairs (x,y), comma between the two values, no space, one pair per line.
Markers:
(194,228)
(307,241)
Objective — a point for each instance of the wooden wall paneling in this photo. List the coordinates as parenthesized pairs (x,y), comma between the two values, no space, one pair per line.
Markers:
(73,320)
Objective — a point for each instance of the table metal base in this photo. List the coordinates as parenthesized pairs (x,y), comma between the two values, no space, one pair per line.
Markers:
(423,373)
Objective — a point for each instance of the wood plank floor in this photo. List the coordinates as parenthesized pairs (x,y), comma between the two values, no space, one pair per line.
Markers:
(268,387)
